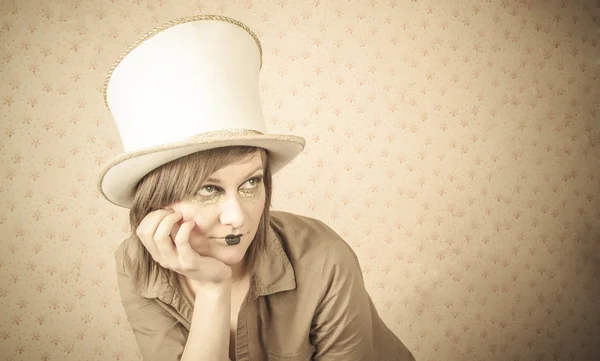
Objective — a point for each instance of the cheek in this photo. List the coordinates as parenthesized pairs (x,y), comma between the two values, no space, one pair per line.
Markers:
(254,205)
(184,209)
(204,217)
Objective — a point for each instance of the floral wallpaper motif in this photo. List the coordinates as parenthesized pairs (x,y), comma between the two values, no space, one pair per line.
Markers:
(455,145)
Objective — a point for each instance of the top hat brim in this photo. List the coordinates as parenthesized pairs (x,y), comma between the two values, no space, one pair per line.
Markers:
(119,177)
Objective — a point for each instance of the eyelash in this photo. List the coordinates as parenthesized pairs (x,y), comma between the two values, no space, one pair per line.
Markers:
(257,179)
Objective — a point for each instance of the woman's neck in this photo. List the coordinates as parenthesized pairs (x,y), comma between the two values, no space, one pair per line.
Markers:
(239,272)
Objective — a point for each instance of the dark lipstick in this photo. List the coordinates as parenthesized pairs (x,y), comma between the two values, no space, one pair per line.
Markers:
(233,239)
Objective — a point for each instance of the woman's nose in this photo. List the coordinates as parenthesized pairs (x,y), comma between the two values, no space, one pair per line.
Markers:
(232,213)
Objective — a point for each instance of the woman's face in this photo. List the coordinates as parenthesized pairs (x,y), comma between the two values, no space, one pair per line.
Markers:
(231,201)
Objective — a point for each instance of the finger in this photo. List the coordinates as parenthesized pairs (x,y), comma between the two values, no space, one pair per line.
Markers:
(175,229)
(163,240)
(147,228)
(166,225)
(182,241)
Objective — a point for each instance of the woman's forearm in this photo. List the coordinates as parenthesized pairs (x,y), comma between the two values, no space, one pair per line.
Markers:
(209,332)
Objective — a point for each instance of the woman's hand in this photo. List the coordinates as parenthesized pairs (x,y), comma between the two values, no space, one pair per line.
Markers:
(168,243)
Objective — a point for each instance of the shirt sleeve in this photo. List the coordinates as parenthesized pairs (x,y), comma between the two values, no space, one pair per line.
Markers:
(159,335)
(346,326)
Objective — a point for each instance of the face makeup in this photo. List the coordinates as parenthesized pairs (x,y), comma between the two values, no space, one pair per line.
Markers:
(227,210)
(233,239)
(204,201)
(252,194)
(246,194)
(210,197)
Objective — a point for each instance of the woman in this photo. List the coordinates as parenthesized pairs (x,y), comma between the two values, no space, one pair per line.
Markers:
(208,272)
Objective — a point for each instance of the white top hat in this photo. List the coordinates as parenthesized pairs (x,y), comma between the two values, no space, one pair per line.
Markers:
(187,86)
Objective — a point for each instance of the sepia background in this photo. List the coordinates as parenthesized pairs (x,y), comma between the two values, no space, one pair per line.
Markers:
(454,144)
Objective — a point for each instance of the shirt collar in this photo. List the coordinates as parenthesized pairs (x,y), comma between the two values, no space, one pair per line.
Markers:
(274,272)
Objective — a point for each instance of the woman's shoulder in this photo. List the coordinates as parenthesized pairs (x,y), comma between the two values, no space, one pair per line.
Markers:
(123,255)
(294,219)
(302,228)
(309,240)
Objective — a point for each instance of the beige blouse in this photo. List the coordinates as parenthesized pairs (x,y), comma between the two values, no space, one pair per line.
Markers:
(307,301)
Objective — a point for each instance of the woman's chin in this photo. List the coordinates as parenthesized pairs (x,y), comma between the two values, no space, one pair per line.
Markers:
(231,255)
(230,258)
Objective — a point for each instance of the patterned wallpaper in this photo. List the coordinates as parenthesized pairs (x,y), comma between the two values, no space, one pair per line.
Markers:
(454,144)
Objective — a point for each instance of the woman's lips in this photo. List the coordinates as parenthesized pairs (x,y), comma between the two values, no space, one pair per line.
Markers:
(233,239)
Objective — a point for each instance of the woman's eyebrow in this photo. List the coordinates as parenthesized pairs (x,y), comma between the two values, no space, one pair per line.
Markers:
(215,180)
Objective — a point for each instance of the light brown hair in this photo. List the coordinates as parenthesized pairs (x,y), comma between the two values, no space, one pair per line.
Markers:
(173,182)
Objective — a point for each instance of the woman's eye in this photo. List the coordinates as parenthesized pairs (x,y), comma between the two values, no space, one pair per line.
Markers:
(207,190)
(252,183)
